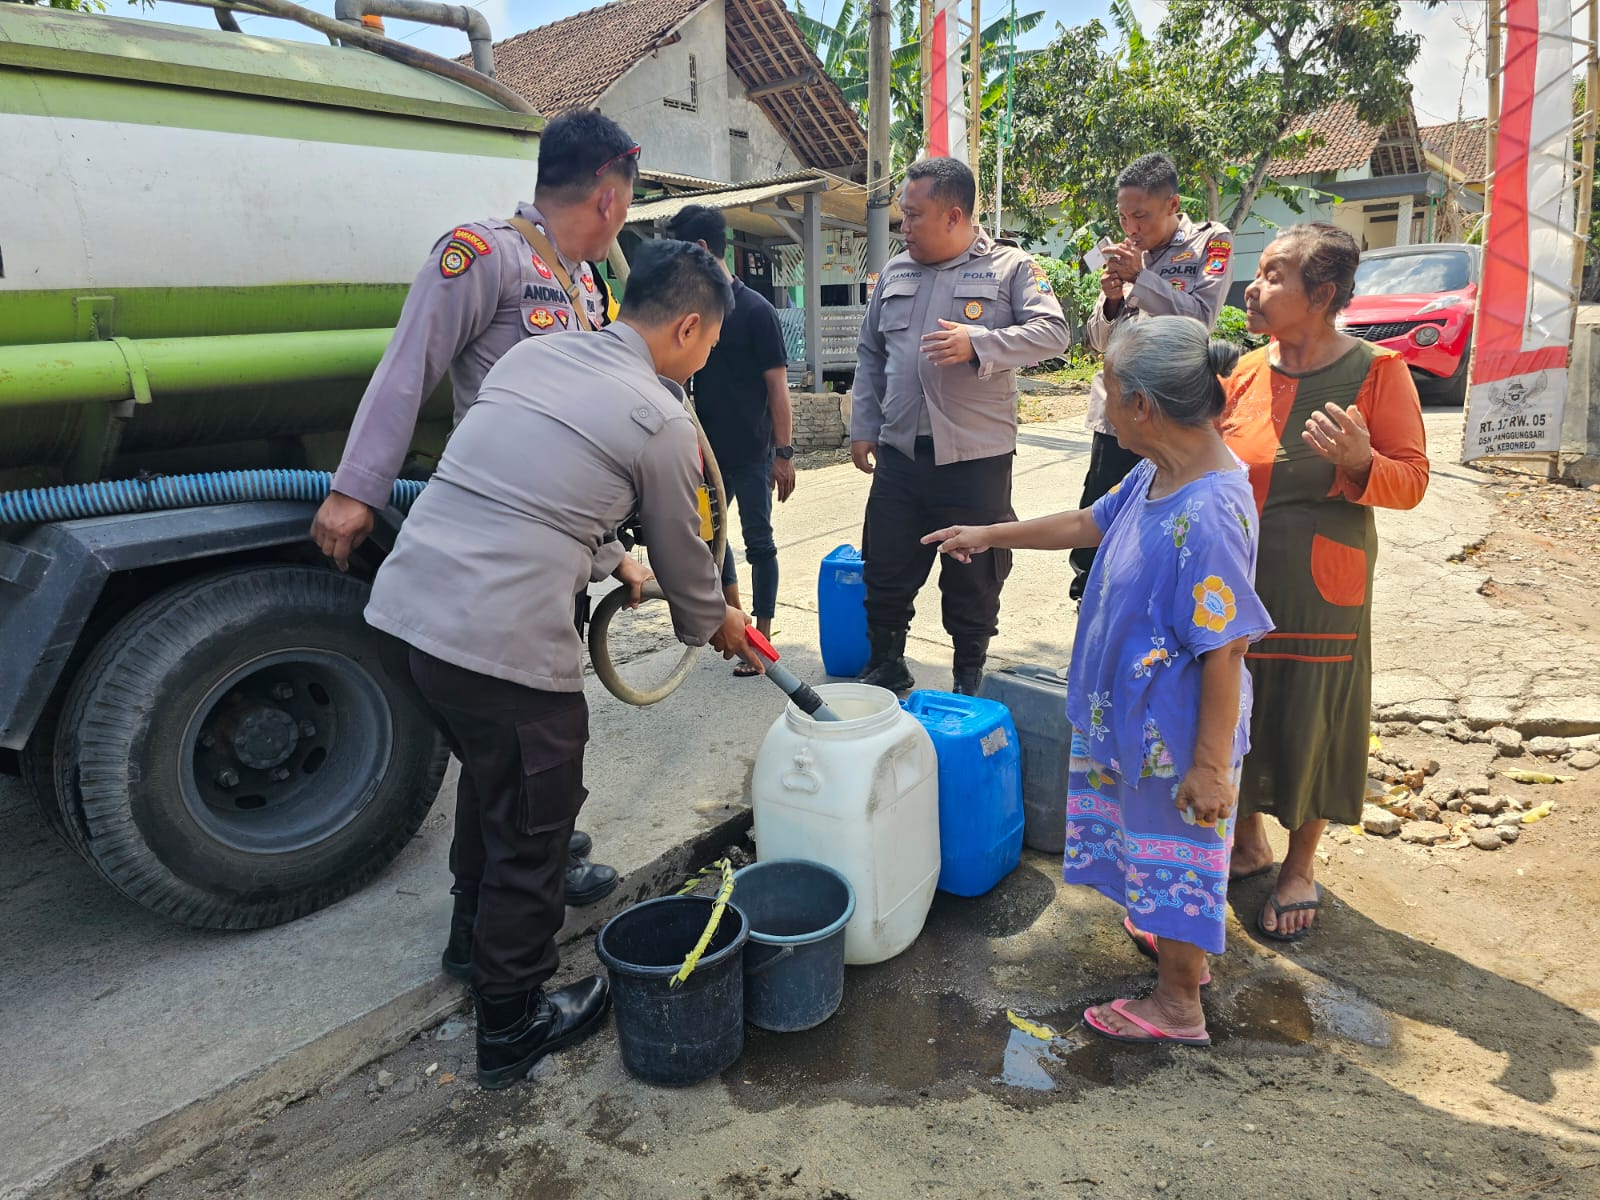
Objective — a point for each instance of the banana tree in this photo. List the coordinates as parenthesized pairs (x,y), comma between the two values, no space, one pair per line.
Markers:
(842,47)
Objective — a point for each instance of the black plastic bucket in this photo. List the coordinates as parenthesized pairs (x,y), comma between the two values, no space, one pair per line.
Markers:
(794,964)
(675,1036)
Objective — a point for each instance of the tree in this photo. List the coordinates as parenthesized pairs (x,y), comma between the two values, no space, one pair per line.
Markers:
(842,47)
(1217,88)
(1307,54)
(81,5)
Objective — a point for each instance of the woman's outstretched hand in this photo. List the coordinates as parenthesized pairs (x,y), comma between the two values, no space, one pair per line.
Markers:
(960,542)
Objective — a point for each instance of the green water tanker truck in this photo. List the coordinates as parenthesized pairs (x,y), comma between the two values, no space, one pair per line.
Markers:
(205,241)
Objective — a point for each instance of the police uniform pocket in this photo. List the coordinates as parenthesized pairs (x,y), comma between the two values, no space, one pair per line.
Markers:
(552,769)
(976,304)
(1339,571)
(895,314)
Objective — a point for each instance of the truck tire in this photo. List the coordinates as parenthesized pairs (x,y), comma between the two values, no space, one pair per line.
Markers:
(244,749)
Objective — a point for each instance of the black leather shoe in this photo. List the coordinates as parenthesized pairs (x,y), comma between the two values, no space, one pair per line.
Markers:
(581,844)
(968,681)
(887,666)
(588,882)
(518,1031)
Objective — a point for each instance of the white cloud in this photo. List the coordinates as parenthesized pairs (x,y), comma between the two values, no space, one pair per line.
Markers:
(1447,79)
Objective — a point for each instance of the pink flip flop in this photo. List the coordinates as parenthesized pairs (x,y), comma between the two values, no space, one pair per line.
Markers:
(1145,944)
(1152,1034)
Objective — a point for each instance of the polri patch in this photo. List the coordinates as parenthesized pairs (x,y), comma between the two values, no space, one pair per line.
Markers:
(455,260)
(1186,256)
(1218,252)
(544,271)
(563,316)
(1178,285)
(974,310)
(540,318)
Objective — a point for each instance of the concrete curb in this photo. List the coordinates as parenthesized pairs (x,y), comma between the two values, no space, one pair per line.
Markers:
(121,1165)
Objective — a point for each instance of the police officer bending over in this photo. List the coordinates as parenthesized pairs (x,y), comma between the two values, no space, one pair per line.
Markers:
(480,585)
(486,286)
(934,417)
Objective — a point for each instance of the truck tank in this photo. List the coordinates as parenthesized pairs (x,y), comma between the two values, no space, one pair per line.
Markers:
(205,241)
(163,182)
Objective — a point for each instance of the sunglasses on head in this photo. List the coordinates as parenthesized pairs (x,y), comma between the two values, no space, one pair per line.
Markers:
(630,152)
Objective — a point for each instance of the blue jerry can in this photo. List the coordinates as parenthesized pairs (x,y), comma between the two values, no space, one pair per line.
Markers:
(980,788)
(842,613)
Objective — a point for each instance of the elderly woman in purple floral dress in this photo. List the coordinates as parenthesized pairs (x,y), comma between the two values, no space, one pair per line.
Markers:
(1158,698)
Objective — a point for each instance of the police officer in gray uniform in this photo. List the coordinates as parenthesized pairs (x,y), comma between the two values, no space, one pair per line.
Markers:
(1167,265)
(485,287)
(934,413)
(480,586)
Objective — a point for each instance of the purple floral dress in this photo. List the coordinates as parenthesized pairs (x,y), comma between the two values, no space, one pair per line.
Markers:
(1173,579)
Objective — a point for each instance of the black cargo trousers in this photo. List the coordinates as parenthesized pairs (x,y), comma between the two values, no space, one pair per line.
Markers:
(912,497)
(521,753)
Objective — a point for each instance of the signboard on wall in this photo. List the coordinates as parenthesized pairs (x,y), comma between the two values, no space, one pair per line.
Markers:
(1523,328)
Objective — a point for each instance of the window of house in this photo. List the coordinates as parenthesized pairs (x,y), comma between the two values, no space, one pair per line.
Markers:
(692,104)
(738,155)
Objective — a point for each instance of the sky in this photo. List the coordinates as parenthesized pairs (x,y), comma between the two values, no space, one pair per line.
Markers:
(1446,79)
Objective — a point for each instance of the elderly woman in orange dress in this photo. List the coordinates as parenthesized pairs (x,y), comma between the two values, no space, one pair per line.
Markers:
(1330,428)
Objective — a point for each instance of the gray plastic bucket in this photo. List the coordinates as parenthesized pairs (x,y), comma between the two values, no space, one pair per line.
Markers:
(794,962)
(675,1036)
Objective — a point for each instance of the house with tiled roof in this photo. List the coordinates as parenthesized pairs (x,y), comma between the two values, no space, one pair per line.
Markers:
(1460,149)
(1377,182)
(720,90)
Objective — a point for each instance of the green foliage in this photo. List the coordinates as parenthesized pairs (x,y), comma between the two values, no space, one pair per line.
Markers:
(83,5)
(842,47)
(1231,327)
(1216,86)
(1075,288)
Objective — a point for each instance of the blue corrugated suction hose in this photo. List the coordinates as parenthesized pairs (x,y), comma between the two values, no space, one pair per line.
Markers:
(110,496)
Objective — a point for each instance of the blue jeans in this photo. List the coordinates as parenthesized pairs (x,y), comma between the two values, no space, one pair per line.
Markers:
(750,488)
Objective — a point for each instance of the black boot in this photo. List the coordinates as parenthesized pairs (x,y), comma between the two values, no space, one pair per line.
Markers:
(514,1032)
(457,958)
(967,667)
(588,882)
(581,844)
(887,666)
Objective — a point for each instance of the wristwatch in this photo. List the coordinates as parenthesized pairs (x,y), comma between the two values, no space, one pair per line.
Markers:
(784,452)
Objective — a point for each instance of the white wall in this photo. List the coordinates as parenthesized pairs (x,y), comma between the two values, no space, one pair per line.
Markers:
(697,141)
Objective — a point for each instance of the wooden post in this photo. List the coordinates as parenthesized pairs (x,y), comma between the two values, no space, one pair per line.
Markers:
(975,116)
(1491,67)
(925,30)
(1591,97)
(811,246)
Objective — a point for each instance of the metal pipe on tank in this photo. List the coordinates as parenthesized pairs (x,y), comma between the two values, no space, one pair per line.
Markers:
(452,16)
(141,369)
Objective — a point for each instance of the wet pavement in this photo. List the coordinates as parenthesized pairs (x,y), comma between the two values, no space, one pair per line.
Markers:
(971,1038)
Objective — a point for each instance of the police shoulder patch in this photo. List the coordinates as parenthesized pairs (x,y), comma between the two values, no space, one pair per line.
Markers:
(541,318)
(1218,251)
(455,258)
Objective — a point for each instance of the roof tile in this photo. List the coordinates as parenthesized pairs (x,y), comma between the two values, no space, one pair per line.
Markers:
(1469,150)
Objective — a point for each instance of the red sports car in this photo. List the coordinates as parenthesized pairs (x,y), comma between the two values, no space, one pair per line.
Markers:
(1418,300)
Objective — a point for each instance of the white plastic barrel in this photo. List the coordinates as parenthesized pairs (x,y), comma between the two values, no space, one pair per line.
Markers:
(860,795)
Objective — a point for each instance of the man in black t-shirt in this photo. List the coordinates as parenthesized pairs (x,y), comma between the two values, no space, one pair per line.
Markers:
(742,399)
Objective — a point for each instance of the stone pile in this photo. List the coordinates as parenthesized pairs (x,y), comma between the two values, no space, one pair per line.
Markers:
(1414,802)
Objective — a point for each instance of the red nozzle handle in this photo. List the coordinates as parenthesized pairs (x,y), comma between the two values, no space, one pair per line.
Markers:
(763,647)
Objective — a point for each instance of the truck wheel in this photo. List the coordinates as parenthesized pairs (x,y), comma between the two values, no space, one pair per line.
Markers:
(244,749)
